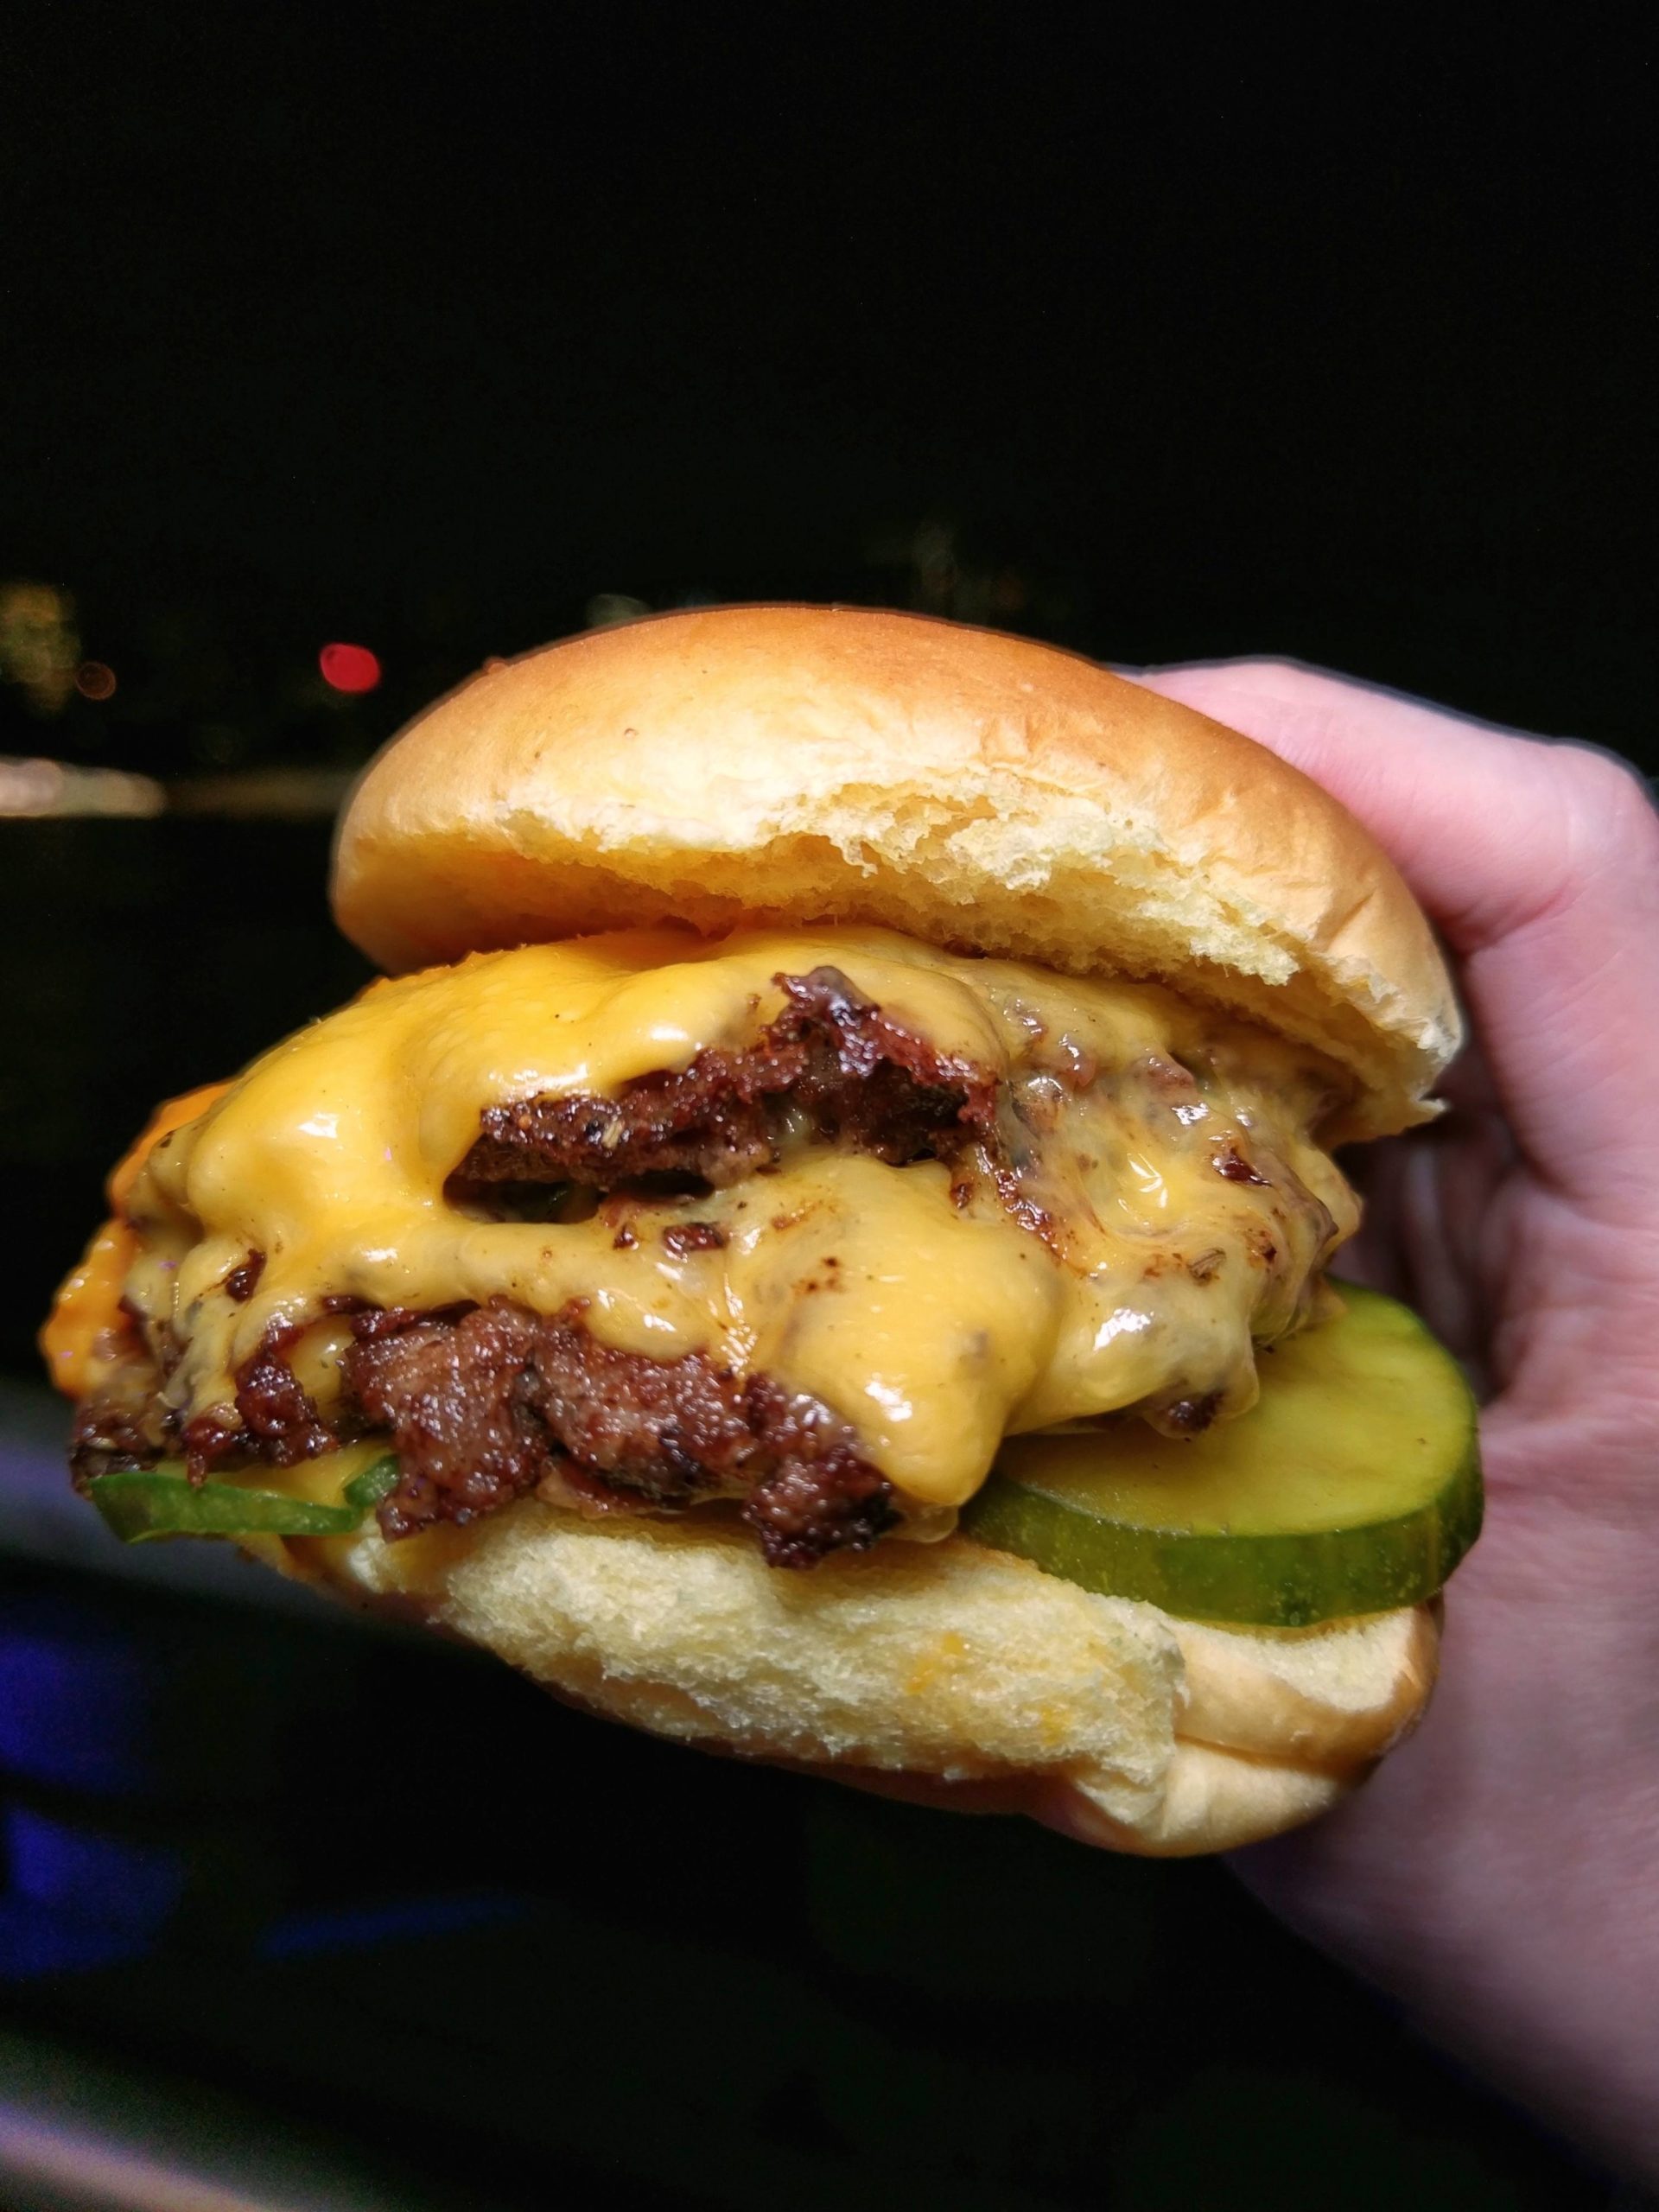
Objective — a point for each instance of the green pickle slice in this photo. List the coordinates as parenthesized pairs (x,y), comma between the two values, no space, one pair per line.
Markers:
(1352,1486)
(138,1503)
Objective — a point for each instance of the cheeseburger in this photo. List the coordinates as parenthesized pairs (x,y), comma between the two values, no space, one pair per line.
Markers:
(819,1248)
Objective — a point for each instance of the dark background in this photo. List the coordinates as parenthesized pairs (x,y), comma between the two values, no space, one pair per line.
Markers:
(446,331)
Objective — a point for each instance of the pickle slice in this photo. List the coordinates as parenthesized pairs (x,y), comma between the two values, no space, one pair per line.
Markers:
(141,1502)
(1352,1486)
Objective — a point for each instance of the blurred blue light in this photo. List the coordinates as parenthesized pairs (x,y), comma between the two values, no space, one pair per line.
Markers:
(95,1877)
(75,1708)
(356,1928)
(79,1899)
(34,1944)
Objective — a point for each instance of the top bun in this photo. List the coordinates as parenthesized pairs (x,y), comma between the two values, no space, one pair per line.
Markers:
(797,765)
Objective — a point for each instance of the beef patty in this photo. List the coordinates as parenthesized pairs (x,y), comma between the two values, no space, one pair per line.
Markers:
(484,1406)
(832,1061)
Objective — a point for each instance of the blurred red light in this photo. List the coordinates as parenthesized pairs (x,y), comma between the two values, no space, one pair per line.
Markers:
(349,668)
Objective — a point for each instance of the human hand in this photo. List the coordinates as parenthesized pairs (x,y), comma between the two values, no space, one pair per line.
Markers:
(1500,1875)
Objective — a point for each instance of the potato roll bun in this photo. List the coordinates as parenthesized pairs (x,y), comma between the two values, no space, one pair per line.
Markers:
(940,1662)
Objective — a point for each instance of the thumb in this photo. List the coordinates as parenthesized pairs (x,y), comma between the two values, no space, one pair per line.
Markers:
(1539,860)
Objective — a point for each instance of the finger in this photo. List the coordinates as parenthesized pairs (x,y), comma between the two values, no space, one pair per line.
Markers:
(1540,862)
(1482,823)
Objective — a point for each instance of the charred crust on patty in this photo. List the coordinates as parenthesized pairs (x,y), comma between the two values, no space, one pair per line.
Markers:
(864,1081)
(1189,1417)
(276,1421)
(486,1406)
(1230,1162)
(242,1282)
(681,1238)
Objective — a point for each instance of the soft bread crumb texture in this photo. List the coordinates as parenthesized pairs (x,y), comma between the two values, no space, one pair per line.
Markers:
(799,765)
(944,1660)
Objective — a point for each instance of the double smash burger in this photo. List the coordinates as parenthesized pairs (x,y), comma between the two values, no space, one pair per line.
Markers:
(818,1246)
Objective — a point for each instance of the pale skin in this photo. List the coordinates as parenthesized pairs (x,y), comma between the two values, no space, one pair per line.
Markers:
(1499,1876)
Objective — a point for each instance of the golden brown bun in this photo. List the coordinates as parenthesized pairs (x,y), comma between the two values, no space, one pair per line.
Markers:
(799,764)
(944,1661)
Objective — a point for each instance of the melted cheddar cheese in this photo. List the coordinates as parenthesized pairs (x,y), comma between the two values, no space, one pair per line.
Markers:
(1181,1218)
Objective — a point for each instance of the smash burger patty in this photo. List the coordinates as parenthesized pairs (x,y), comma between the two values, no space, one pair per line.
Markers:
(1053,1098)
(901,1039)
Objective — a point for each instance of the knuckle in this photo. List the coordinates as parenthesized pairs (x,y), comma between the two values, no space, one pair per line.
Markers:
(1610,805)
(1583,819)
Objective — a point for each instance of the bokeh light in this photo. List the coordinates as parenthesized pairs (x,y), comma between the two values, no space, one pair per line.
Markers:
(95,679)
(39,648)
(42,787)
(349,668)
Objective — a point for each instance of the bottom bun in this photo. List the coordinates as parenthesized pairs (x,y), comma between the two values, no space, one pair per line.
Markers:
(1102,1716)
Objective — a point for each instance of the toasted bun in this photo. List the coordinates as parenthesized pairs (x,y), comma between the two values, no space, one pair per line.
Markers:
(798,765)
(945,1661)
